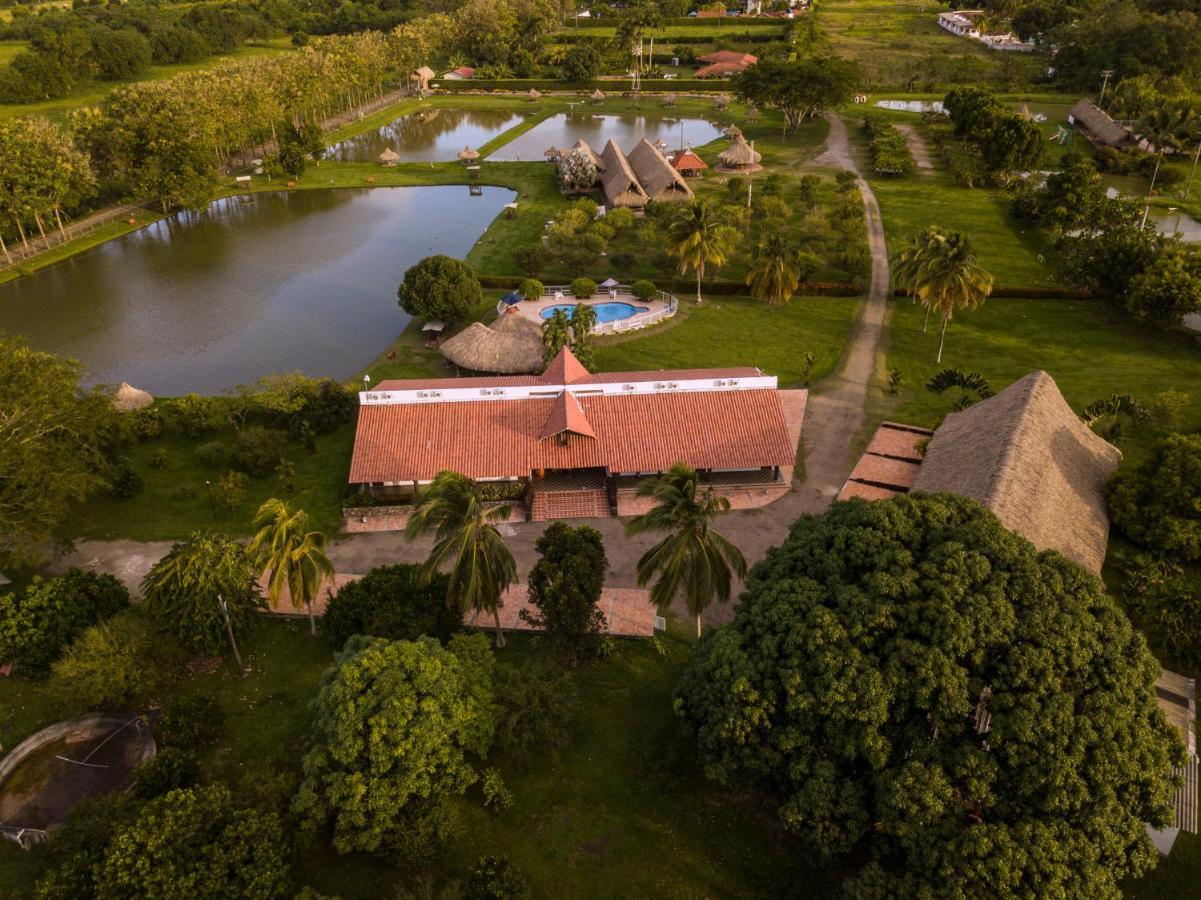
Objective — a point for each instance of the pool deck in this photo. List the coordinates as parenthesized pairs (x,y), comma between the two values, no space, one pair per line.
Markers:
(656,309)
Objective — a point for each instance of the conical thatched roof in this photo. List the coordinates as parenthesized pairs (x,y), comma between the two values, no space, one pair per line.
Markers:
(669,100)
(732,131)
(598,95)
(512,345)
(552,153)
(389,156)
(468,154)
(533,94)
(739,155)
(128,398)
(1026,456)
(656,175)
(723,100)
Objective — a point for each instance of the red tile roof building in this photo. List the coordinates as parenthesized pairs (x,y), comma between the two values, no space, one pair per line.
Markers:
(568,421)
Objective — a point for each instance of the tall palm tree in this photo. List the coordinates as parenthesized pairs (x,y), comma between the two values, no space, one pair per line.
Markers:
(908,263)
(698,239)
(778,269)
(692,559)
(465,535)
(1167,127)
(290,554)
(950,279)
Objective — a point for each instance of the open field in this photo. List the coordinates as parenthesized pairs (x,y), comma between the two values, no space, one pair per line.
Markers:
(623,810)
(89,92)
(9,49)
(899,45)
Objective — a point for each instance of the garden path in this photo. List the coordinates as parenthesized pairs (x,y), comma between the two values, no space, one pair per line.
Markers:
(917,148)
(835,420)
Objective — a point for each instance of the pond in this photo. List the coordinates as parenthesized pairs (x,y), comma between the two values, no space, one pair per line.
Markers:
(436,134)
(626,129)
(264,283)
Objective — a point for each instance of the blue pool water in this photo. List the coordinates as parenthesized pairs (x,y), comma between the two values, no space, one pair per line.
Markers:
(605,312)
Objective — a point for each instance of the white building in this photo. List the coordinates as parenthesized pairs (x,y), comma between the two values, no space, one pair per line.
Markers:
(966,23)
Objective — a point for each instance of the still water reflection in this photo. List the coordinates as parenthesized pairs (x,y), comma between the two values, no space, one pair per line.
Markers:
(271,282)
(625,129)
(431,135)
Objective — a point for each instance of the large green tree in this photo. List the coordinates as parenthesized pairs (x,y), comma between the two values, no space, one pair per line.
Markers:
(799,90)
(1157,503)
(289,555)
(440,287)
(55,437)
(909,679)
(693,559)
(197,584)
(393,602)
(565,586)
(195,844)
(397,725)
(467,540)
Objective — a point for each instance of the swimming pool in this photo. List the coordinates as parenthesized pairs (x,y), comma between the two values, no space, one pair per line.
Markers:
(605,312)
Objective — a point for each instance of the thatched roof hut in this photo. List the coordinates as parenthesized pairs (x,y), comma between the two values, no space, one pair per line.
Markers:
(669,100)
(469,155)
(598,95)
(722,100)
(1026,456)
(128,398)
(656,175)
(534,95)
(583,145)
(739,157)
(1096,125)
(620,184)
(732,132)
(512,345)
(553,154)
(389,157)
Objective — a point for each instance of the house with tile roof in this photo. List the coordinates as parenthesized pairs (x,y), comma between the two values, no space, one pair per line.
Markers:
(573,443)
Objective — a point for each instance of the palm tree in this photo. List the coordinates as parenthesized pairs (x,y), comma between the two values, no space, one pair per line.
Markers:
(699,239)
(909,262)
(1167,127)
(291,555)
(692,558)
(949,279)
(778,269)
(465,535)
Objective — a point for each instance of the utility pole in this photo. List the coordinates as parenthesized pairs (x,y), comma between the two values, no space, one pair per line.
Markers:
(1193,171)
(229,629)
(750,178)
(1106,73)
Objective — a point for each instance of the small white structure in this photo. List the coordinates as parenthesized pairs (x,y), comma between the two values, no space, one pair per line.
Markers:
(965,23)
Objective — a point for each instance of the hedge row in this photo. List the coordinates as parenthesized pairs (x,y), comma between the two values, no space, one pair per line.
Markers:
(584,37)
(686,287)
(1026,293)
(890,150)
(523,85)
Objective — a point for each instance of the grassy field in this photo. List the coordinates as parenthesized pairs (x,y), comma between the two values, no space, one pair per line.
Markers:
(899,46)
(89,92)
(9,49)
(623,810)
(1091,352)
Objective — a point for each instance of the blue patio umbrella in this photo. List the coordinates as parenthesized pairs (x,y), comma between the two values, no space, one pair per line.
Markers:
(511,299)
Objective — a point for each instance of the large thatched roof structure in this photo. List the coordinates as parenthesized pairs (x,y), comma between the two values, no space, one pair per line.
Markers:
(512,345)
(1098,127)
(620,184)
(1026,456)
(128,398)
(659,180)
(598,95)
(739,155)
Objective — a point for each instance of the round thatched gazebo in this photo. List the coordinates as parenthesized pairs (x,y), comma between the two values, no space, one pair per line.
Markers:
(554,154)
(534,95)
(669,100)
(128,398)
(598,95)
(732,132)
(739,157)
(389,157)
(723,100)
(512,345)
(468,155)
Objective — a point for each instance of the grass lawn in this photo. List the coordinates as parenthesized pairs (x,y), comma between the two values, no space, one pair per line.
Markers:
(9,49)
(623,810)
(90,92)
(1089,350)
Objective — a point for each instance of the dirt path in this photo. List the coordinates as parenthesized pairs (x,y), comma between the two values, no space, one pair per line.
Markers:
(833,420)
(917,149)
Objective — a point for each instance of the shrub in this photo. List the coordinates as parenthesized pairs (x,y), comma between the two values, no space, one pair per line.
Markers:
(643,289)
(168,770)
(213,454)
(324,406)
(192,721)
(79,845)
(144,424)
(114,664)
(192,414)
(620,218)
(583,288)
(1167,406)
(391,602)
(581,63)
(440,287)
(497,796)
(564,588)
(531,288)
(231,489)
(622,263)
(158,459)
(258,450)
(125,480)
(531,258)
(890,149)
(495,878)
(37,624)
(535,704)
(1158,504)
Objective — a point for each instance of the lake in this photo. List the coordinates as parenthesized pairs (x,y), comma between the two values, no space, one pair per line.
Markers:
(272,282)
(436,134)
(627,129)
